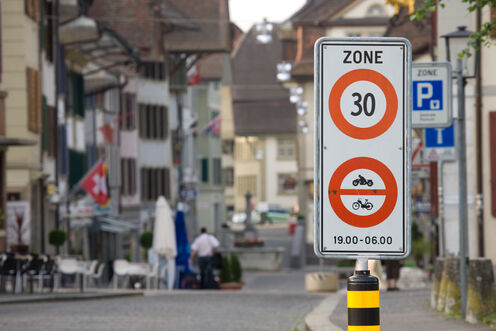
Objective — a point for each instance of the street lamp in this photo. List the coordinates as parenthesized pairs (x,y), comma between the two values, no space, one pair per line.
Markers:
(284,71)
(465,68)
(456,42)
(295,94)
(301,108)
(264,32)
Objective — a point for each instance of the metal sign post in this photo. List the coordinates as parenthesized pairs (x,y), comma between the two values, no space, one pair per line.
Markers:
(431,89)
(363,163)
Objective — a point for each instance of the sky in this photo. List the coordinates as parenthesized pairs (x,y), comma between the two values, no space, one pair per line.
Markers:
(245,13)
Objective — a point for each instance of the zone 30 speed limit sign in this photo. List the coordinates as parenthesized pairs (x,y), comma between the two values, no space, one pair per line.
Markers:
(362,155)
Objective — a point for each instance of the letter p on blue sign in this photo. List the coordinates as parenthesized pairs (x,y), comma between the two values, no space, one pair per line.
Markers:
(428,95)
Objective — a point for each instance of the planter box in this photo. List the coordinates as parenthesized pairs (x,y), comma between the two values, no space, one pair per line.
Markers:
(258,258)
(321,282)
(231,286)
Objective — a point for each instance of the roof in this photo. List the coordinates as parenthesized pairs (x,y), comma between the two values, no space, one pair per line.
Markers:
(186,26)
(418,32)
(208,28)
(260,104)
(264,118)
(133,19)
(316,11)
(211,66)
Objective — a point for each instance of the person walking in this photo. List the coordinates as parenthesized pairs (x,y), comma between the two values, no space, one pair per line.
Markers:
(204,246)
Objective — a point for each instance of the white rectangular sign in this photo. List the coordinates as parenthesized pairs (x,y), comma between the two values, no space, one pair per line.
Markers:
(362,147)
(431,92)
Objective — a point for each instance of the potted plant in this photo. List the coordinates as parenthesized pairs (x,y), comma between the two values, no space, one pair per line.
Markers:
(57,237)
(231,273)
(146,241)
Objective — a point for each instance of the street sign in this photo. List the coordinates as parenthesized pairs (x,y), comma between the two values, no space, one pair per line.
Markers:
(440,144)
(362,147)
(431,90)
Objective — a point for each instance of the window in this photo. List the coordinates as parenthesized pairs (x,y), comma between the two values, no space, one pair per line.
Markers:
(285,148)
(245,151)
(153,122)
(229,177)
(127,118)
(204,170)
(155,182)
(286,183)
(32,9)
(247,184)
(49,131)
(153,70)
(48,24)
(375,10)
(228,146)
(128,176)
(34,100)
(217,171)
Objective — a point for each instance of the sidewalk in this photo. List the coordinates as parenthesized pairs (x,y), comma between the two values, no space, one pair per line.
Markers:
(66,295)
(407,310)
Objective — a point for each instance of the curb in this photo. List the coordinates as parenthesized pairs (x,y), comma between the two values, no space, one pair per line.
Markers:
(66,297)
(318,319)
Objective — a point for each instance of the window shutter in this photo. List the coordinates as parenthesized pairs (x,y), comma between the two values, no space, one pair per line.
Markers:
(204,168)
(492,149)
(34,100)
(52,131)
(44,131)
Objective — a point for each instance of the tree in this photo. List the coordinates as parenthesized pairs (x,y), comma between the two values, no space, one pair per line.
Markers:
(146,239)
(482,37)
(57,237)
(236,270)
(225,273)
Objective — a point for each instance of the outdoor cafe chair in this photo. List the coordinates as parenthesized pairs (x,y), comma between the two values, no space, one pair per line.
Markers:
(120,270)
(89,270)
(8,270)
(32,269)
(152,275)
(47,272)
(97,279)
(12,268)
(66,267)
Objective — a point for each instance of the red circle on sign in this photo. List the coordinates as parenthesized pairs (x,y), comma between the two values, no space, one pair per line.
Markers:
(335,99)
(390,192)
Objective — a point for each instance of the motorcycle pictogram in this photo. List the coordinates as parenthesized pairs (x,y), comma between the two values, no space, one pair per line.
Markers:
(364,205)
(362,181)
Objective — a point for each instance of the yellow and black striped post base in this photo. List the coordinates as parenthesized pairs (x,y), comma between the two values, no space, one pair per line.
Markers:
(363,302)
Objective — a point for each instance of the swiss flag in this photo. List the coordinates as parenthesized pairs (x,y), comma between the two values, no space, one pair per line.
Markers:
(95,184)
(193,75)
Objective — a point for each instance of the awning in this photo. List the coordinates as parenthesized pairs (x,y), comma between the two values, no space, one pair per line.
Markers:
(106,223)
(100,47)
(4,141)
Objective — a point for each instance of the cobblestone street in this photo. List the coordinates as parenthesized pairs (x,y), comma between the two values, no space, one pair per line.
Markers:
(174,311)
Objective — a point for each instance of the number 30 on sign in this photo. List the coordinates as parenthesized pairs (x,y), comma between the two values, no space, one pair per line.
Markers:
(362,153)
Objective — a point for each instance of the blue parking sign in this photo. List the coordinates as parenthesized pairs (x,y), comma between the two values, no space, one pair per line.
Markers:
(428,95)
(431,95)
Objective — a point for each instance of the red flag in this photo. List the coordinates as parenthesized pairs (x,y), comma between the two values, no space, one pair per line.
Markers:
(107,132)
(95,184)
(193,76)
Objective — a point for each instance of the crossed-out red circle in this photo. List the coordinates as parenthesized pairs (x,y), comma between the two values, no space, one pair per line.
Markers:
(390,192)
(335,104)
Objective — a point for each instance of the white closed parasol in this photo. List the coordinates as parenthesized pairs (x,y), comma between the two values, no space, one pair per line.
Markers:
(164,237)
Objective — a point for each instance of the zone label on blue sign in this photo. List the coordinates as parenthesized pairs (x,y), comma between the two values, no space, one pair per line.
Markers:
(431,87)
